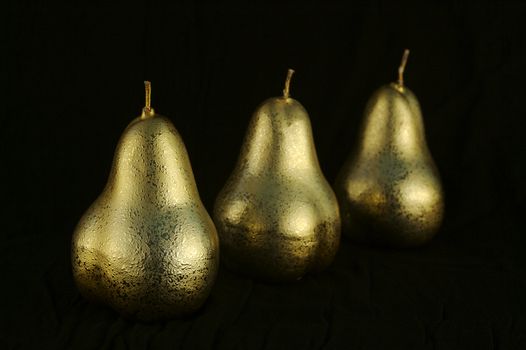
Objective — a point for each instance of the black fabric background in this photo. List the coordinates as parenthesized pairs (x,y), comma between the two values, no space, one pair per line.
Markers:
(75,79)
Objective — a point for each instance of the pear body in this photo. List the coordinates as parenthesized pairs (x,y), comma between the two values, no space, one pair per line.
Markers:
(389,189)
(146,246)
(277,217)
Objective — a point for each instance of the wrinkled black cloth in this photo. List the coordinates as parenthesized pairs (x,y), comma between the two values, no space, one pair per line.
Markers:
(74,80)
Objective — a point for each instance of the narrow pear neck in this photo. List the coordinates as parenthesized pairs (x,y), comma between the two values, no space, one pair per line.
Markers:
(151,164)
(279,138)
(393,120)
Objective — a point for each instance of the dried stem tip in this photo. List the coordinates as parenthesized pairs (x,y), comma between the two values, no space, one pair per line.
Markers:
(148,97)
(402,67)
(287,83)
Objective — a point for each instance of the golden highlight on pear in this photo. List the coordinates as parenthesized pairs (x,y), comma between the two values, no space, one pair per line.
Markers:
(277,217)
(146,246)
(389,190)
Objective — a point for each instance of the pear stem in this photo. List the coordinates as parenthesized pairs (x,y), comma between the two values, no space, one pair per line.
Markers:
(401,68)
(287,83)
(148,97)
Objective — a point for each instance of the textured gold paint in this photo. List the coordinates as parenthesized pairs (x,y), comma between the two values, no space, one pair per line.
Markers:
(389,190)
(146,246)
(277,217)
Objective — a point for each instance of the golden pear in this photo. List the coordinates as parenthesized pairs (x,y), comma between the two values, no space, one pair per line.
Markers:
(277,217)
(146,246)
(389,189)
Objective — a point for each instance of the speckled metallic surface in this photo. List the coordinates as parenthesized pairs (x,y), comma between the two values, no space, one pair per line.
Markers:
(277,217)
(146,246)
(389,189)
